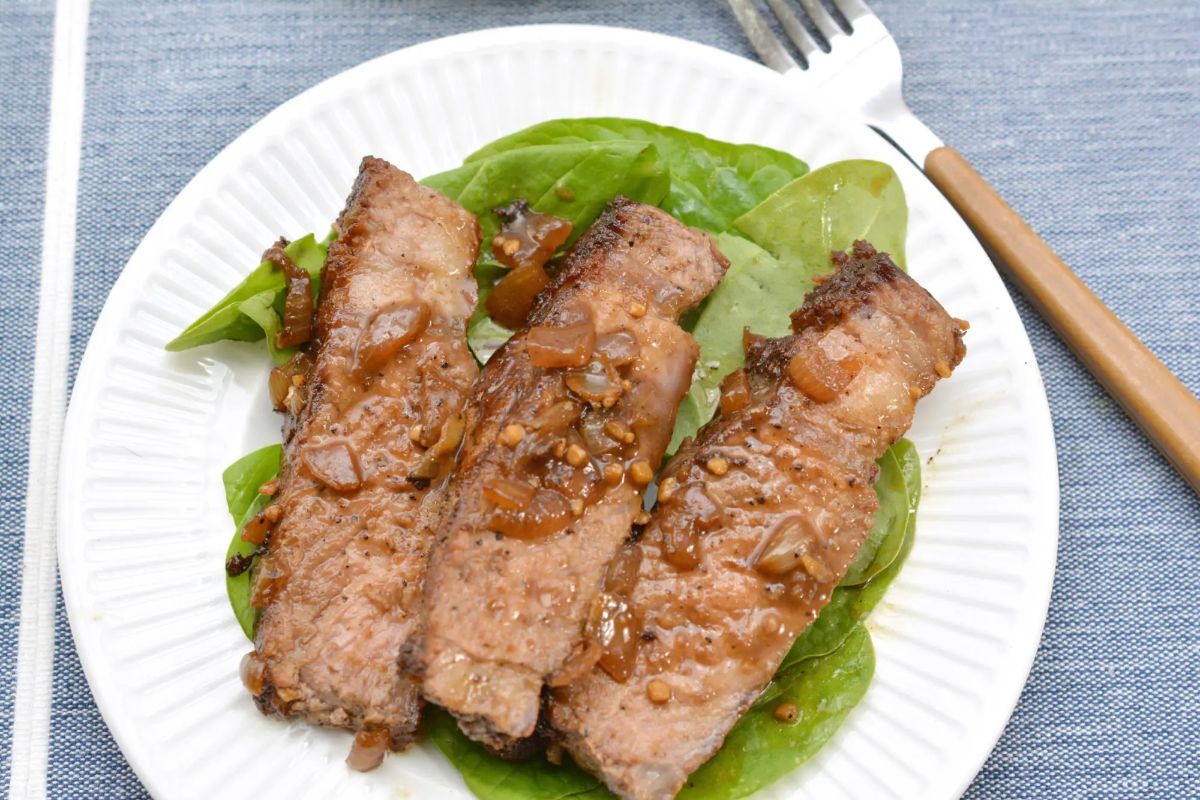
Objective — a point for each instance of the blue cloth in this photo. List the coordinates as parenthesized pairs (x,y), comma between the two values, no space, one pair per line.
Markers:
(25,44)
(1082,114)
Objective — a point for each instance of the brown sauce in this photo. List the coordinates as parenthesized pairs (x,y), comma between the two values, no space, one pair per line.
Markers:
(370,746)
(527,236)
(389,331)
(526,241)
(298,302)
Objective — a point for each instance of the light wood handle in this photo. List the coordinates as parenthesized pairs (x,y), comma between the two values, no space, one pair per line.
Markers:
(1154,398)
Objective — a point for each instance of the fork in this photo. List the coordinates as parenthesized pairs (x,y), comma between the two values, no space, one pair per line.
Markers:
(859,67)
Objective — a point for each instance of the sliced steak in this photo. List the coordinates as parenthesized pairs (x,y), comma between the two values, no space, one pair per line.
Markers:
(757,521)
(564,430)
(380,403)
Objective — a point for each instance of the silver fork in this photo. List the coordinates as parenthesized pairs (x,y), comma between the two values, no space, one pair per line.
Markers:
(860,68)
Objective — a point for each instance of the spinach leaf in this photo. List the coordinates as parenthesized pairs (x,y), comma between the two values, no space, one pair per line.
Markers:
(849,605)
(253,308)
(827,210)
(751,295)
(897,487)
(485,336)
(712,182)
(242,480)
(573,181)
(494,778)
(760,749)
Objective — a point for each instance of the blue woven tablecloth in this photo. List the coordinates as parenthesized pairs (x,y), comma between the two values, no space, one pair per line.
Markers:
(1084,115)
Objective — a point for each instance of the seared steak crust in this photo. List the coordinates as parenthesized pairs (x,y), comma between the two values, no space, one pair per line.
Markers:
(563,430)
(340,585)
(758,521)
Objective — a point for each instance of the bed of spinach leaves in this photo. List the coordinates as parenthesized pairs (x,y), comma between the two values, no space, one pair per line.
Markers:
(777,223)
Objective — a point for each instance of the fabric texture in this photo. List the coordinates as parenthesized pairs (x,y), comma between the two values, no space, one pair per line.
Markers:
(1081,113)
(25,45)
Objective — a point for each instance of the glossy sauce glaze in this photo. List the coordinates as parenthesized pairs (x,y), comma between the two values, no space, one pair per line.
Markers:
(525,242)
(757,522)
(373,415)
(563,431)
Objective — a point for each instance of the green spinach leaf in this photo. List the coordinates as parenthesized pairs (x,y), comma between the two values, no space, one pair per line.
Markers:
(494,778)
(751,295)
(827,210)
(712,182)
(242,480)
(898,487)
(849,605)
(760,749)
(252,309)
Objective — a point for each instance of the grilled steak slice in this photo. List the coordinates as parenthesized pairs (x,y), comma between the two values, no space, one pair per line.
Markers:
(341,581)
(564,430)
(757,522)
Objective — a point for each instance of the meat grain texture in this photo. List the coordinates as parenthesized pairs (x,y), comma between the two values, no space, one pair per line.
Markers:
(563,431)
(340,585)
(758,520)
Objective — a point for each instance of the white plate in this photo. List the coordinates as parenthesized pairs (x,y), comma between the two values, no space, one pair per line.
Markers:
(143,527)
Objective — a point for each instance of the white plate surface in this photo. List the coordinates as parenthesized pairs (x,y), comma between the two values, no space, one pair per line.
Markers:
(143,526)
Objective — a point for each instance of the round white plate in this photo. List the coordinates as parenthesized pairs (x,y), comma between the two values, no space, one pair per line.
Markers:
(143,526)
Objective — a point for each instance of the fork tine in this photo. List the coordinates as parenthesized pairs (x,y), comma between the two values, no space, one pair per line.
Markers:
(853,9)
(765,42)
(824,21)
(795,29)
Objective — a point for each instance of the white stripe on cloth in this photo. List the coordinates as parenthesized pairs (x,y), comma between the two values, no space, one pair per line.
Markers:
(35,644)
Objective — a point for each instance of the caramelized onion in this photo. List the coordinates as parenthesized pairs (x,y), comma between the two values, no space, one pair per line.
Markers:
(253,673)
(622,572)
(296,399)
(681,546)
(547,513)
(285,381)
(268,583)
(578,665)
(527,236)
(735,392)
(389,331)
(591,431)
(818,376)
(430,465)
(787,546)
(557,417)
(569,345)
(698,507)
(681,534)
(370,746)
(297,303)
(613,624)
(279,383)
(619,347)
(595,384)
(256,529)
(335,464)
(451,436)
(508,494)
(425,470)
(512,298)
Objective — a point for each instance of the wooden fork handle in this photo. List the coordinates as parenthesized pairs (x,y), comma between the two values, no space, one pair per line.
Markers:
(1155,399)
